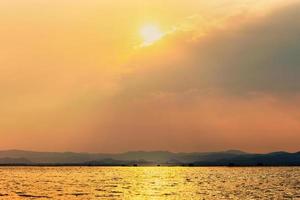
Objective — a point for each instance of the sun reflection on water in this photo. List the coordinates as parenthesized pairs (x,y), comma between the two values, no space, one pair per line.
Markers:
(149,183)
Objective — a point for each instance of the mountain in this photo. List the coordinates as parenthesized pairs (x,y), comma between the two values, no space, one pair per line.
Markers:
(52,157)
(230,157)
(14,161)
(271,159)
(149,156)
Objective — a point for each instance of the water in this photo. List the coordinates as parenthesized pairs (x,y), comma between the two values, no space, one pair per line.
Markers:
(149,183)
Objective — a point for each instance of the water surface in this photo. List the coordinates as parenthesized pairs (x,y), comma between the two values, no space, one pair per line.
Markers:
(149,183)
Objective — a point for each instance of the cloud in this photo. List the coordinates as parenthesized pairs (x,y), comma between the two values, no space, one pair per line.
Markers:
(258,54)
(237,86)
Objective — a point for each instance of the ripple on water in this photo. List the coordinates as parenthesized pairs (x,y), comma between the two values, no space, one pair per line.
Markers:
(22,194)
(147,182)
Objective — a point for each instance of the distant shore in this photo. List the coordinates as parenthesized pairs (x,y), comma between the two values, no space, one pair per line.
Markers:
(150,165)
(229,158)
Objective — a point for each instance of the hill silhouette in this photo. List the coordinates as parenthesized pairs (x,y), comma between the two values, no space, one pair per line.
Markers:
(222,158)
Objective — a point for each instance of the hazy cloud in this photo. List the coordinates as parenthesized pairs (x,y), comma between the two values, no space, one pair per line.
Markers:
(258,54)
(225,76)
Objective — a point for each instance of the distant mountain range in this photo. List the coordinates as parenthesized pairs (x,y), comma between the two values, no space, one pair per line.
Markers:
(222,158)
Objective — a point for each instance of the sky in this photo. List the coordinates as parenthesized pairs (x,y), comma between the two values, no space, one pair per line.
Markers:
(125,75)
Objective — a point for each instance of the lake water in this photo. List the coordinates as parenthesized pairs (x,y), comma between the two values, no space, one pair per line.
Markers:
(149,183)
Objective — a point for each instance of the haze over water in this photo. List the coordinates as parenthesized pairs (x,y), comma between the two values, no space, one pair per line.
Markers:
(149,183)
(149,77)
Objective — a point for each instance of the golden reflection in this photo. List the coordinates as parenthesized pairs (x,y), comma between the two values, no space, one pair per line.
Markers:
(141,183)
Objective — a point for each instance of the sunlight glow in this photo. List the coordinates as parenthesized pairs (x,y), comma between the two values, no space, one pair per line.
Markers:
(150,33)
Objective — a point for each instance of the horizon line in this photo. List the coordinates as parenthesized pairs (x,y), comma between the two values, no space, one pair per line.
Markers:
(149,151)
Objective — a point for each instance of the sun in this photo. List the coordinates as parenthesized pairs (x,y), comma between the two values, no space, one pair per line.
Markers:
(150,33)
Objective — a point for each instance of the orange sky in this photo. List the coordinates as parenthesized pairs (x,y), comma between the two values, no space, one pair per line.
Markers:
(120,75)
